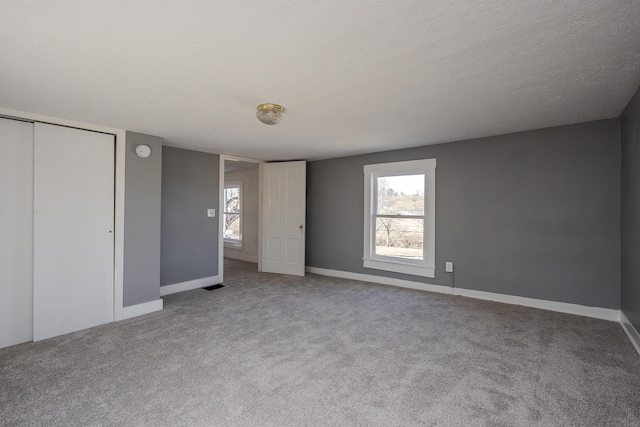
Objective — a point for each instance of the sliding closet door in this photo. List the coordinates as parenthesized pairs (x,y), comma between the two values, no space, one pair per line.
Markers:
(73,230)
(16,232)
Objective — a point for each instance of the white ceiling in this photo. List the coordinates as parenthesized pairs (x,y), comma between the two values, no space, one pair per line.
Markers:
(354,76)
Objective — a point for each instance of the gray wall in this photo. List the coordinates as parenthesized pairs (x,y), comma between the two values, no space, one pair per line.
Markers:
(142,221)
(189,248)
(249,178)
(533,214)
(630,227)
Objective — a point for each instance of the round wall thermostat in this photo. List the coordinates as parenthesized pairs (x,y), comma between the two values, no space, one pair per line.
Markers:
(143,151)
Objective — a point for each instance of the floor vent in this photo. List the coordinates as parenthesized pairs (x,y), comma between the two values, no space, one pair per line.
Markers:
(212,287)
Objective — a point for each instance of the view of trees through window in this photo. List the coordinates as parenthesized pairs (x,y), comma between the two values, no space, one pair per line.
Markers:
(400,216)
(232,214)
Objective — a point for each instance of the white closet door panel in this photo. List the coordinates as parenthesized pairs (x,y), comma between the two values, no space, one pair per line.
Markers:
(16,232)
(73,229)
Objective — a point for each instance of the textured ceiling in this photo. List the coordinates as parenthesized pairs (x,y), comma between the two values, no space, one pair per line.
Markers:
(354,76)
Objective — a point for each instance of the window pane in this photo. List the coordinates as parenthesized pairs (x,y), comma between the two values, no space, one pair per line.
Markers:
(400,195)
(232,226)
(400,237)
(232,199)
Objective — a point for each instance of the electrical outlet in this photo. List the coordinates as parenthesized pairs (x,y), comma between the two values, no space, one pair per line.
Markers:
(211,213)
(448,267)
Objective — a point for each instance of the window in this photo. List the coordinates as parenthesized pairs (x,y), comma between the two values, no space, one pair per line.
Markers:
(399,217)
(233,214)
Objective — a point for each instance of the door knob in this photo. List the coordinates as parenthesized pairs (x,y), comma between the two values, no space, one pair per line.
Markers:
(301,227)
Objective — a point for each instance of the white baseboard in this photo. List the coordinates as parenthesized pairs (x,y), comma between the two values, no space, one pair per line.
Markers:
(140,309)
(562,307)
(580,310)
(632,333)
(381,280)
(189,285)
(240,256)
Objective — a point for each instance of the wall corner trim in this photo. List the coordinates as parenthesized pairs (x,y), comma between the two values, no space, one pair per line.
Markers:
(140,309)
(189,285)
(562,307)
(632,333)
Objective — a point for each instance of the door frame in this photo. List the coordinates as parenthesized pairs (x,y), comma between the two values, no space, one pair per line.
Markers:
(224,157)
(121,141)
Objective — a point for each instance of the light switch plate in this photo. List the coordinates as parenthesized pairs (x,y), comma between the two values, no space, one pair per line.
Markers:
(211,213)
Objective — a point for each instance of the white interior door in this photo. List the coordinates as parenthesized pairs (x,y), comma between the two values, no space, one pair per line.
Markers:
(73,230)
(283,222)
(16,232)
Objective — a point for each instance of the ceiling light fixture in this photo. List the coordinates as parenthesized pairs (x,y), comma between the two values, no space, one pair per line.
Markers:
(270,114)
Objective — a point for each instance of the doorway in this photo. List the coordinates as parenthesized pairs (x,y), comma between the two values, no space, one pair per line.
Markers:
(240,209)
(271,214)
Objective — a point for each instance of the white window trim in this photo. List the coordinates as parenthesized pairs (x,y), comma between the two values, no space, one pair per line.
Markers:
(233,243)
(426,267)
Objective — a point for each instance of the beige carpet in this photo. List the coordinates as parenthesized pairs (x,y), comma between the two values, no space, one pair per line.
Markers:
(271,350)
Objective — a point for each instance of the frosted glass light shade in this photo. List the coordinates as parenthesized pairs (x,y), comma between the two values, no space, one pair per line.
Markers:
(270,114)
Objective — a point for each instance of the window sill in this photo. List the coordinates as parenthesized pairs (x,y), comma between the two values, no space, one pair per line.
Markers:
(398,267)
